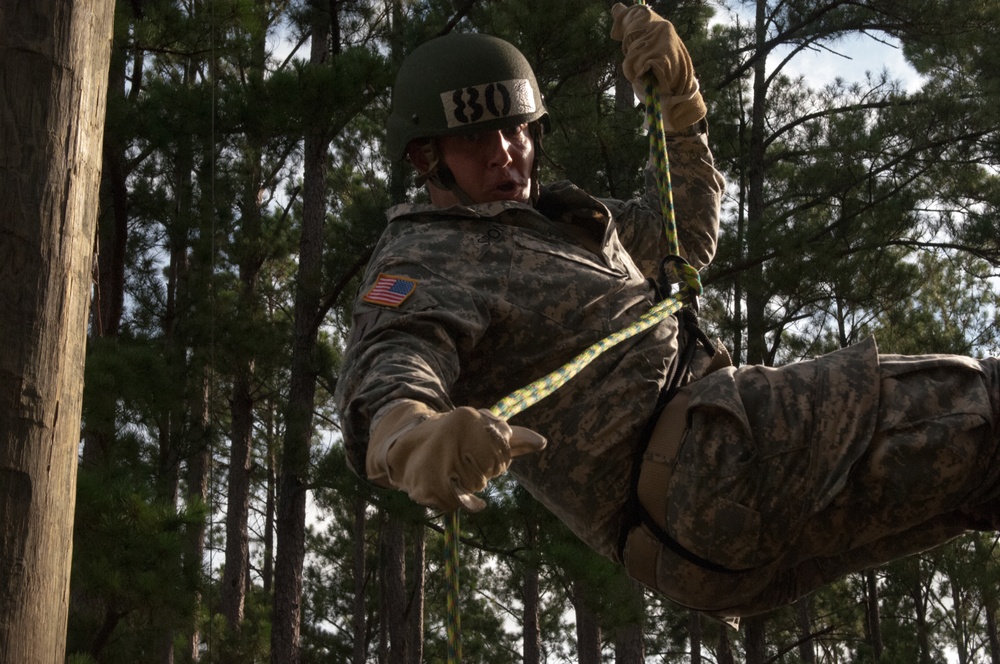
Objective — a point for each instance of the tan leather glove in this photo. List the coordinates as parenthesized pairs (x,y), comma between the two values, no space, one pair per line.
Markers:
(440,459)
(651,44)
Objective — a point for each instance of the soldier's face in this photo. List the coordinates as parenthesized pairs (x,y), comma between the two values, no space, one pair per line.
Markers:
(489,165)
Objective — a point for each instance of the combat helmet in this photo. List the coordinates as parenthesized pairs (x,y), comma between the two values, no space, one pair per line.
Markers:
(459,83)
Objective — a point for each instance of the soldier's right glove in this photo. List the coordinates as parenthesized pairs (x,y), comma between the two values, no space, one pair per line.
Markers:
(441,459)
(651,44)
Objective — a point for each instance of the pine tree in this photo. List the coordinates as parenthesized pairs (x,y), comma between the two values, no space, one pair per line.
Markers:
(337,87)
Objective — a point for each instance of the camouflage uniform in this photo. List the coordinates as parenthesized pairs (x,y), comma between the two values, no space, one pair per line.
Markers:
(791,477)
(505,293)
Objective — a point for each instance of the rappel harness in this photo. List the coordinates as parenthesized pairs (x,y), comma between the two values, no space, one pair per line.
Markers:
(673,267)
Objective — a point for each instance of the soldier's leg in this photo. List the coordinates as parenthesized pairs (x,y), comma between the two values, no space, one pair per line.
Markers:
(934,452)
(792,582)
(932,472)
(796,475)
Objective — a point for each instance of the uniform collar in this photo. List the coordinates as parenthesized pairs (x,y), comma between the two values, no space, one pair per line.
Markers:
(561,202)
(456,211)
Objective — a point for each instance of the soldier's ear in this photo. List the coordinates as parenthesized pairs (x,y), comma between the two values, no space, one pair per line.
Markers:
(417,153)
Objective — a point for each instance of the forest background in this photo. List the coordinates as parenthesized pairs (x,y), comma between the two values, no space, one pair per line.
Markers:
(243,190)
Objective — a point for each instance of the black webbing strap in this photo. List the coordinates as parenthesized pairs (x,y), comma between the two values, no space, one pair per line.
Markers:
(690,336)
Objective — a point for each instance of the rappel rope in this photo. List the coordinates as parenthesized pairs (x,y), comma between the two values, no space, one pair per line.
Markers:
(526,397)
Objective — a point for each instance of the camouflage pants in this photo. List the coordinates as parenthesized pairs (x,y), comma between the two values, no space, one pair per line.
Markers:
(795,476)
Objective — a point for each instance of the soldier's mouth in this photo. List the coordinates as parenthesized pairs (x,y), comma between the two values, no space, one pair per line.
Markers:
(509,186)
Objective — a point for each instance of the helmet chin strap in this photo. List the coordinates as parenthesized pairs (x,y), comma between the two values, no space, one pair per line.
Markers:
(438,174)
(442,178)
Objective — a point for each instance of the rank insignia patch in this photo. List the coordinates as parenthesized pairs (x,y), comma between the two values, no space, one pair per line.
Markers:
(390,291)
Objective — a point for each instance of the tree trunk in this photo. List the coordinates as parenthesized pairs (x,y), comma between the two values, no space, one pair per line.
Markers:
(919,599)
(415,605)
(237,567)
(172,417)
(399,175)
(756,343)
(754,642)
(988,593)
(803,619)
(531,637)
(873,620)
(294,472)
(923,638)
(739,323)
(694,631)
(724,650)
(991,631)
(588,631)
(250,254)
(267,572)
(109,266)
(359,621)
(54,60)
(959,609)
(629,645)
(199,463)
(392,586)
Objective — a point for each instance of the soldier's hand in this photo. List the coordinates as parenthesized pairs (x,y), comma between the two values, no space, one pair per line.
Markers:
(441,459)
(651,45)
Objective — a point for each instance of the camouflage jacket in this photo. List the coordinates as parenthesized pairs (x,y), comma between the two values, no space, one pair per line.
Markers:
(461,306)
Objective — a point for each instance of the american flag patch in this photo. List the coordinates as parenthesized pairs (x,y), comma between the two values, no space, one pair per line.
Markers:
(390,291)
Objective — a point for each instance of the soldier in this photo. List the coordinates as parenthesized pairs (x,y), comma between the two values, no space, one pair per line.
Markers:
(731,491)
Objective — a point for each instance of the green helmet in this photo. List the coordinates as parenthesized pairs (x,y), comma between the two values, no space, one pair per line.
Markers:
(459,83)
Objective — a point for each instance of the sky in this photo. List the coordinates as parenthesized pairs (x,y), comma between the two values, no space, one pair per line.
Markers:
(850,58)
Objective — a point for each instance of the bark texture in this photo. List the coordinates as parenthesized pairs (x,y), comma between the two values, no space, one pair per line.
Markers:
(54,59)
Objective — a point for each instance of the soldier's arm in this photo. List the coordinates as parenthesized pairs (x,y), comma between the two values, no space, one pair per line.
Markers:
(406,353)
(697,193)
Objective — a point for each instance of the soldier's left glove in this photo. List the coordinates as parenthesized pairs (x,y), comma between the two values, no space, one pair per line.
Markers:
(651,44)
